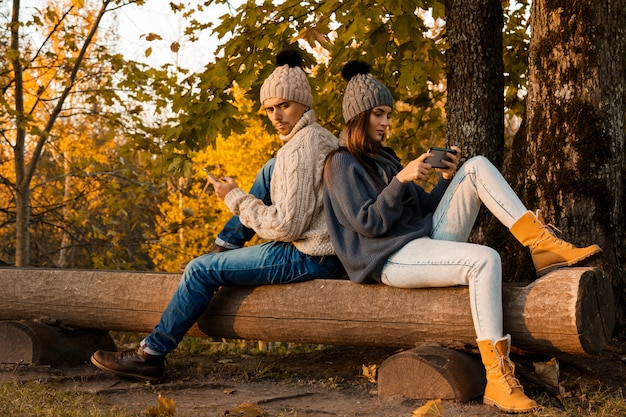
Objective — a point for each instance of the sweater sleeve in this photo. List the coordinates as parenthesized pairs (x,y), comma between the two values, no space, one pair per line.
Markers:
(293,195)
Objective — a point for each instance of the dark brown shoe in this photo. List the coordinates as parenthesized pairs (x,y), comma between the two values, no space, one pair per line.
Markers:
(134,363)
(217,248)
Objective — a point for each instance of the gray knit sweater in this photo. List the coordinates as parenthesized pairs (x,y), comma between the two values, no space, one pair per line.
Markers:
(366,224)
(296,214)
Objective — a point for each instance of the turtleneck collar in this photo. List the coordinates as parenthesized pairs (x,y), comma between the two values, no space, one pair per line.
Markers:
(307,118)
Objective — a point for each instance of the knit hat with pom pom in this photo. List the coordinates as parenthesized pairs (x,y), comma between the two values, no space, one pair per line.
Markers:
(288,80)
(363,92)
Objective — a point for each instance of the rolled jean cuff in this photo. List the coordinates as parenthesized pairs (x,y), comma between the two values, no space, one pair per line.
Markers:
(221,242)
(149,350)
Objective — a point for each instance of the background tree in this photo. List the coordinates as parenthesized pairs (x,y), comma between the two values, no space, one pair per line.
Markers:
(62,157)
(392,37)
(571,162)
(192,216)
(475,78)
(475,81)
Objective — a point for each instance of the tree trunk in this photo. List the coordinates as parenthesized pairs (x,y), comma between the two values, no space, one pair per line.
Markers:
(22,222)
(573,162)
(65,251)
(22,191)
(475,78)
(475,85)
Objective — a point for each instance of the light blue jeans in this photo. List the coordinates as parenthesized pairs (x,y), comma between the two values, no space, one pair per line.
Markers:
(445,259)
(267,263)
(234,234)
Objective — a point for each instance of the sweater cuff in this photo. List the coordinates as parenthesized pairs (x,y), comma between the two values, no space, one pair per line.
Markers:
(395,183)
(233,199)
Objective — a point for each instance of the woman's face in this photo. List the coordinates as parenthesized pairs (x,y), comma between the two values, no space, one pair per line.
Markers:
(378,123)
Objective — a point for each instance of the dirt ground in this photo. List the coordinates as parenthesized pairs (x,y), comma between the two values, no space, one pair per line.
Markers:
(326,382)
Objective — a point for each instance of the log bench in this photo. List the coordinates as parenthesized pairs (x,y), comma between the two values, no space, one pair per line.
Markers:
(570,310)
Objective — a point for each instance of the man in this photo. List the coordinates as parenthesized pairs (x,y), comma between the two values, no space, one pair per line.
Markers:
(298,246)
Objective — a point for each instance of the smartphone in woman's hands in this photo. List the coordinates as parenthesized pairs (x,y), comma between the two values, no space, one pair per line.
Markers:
(439,155)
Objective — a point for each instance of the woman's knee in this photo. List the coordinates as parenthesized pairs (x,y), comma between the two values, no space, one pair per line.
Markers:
(488,259)
(477,162)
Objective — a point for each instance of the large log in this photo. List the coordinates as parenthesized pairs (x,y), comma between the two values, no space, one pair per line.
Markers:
(569,310)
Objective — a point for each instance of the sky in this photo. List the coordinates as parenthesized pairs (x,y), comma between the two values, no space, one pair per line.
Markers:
(157,17)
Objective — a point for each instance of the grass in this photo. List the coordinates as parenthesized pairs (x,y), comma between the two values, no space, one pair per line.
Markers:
(44,399)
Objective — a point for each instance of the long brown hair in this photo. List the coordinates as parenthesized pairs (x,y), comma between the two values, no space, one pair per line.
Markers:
(360,145)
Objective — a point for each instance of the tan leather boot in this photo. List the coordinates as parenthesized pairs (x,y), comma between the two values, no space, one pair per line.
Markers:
(548,251)
(503,390)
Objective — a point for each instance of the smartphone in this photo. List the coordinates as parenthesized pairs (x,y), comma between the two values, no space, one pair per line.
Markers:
(439,155)
(210,174)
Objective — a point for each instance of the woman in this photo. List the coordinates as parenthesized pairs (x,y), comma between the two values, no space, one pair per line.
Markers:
(386,228)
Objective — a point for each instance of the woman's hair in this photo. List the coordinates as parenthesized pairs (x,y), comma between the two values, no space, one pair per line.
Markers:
(360,145)
(356,137)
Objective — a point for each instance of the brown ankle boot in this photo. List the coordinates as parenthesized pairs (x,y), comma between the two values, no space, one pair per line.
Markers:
(503,390)
(134,363)
(548,251)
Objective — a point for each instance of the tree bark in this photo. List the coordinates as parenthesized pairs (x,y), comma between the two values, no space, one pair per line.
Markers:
(475,79)
(572,163)
(569,310)
(475,87)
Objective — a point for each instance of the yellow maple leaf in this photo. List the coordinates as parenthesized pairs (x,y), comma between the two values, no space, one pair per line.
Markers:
(78,3)
(369,372)
(432,408)
(164,408)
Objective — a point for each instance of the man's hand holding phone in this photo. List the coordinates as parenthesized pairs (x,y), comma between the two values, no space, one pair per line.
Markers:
(221,186)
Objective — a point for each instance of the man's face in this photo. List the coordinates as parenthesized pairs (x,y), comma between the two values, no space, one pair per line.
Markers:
(284,114)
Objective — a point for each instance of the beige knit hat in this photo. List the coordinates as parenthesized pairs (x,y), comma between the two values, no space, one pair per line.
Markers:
(288,80)
(363,92)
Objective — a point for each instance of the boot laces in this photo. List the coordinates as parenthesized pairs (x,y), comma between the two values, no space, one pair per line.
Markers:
(507,368)
(146,357)
(549,232)
(132,352)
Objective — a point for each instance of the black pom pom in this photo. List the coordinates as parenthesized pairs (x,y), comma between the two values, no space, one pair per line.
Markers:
(353,68)
(289,57)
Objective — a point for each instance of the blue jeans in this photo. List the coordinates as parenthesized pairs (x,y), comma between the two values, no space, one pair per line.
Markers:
(234,234)
(267,263)
(446,259)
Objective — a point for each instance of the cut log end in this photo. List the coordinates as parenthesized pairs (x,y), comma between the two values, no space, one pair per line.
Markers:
(41,344)
(430,372)
(596,311)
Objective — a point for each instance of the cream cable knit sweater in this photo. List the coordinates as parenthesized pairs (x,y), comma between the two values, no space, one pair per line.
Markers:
(296,214)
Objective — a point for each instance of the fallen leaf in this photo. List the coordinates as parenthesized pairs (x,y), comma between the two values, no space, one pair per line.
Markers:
(164,408)
(432,408)
(369,372)
(548,371)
